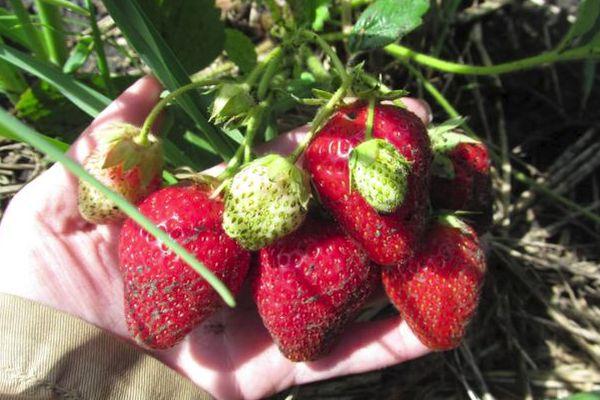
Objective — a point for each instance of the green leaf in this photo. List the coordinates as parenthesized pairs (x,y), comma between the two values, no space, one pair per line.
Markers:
(8,123)
(240,49)
(81,95)
(154,51)
(587,18)
(385,21)
(79,55)
(191,28)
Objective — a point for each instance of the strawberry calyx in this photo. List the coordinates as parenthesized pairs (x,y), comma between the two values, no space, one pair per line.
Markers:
(120,145)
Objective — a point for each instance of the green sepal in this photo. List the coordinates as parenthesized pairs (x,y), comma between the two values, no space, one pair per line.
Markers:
(453,221)
(447,136)
(119,143)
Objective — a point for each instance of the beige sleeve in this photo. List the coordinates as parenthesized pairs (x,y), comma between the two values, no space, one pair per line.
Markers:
(48,354)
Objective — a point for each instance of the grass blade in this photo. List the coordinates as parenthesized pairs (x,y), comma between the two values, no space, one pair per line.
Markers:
(99,48)
(81,95)
(33,40)
(52,31)
(144,38)
(26,134)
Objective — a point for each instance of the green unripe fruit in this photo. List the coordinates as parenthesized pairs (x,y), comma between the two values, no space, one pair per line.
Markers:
(266,200)
(379,172)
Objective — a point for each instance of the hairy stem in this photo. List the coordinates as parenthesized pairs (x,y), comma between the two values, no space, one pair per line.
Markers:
(322,116)
(143,136)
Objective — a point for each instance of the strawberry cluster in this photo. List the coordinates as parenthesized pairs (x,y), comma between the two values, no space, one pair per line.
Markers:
(378,212)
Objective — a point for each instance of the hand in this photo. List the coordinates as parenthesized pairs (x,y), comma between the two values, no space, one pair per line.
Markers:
(51,255)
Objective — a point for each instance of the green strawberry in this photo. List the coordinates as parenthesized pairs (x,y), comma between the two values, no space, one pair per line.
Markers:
(267,199)
(124,165)
(379,172)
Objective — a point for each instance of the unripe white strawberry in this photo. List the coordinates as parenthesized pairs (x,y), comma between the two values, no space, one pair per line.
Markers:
(379,172)
(266,200)
(127,167)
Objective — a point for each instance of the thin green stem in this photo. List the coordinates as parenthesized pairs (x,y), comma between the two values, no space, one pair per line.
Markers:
(370,119)
(26,134)
(272,67)
(322,116)
(52,31)
(99,48)
(259,69)
(151,118)
(244,152)
(33,39)
(403,53)
(337,63)
(315,66)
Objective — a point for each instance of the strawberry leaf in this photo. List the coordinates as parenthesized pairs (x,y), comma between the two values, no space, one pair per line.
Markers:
(386,21)
(192,28)
(240,49)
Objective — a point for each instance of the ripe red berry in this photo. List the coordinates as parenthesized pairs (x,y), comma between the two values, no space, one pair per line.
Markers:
(387,238)
(164,297)
(468,187)
(437,291)
(309,285)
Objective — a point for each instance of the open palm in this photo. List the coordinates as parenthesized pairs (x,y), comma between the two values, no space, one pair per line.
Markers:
(54,257)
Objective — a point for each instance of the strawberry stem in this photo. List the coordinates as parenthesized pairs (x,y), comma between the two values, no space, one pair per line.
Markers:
(272,62)
(370,119)
(322,116)
(337,63)
(244,151)
(142,138)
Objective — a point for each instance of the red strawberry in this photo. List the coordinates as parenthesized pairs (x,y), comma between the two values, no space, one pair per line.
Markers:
(165,298)
(461,178)
(437,291)
(387,238)
(309,285)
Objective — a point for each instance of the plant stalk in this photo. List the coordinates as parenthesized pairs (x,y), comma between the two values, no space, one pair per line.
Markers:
(322,116)
(151,118)
(403,54)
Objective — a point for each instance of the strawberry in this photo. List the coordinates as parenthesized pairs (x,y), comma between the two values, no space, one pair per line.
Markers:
(378,171)
(165,298)
(461,177)
(124,165)
(437,291)
(309,285)
(387,238)
(267,199)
